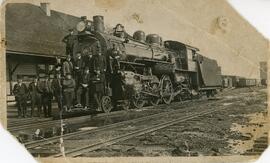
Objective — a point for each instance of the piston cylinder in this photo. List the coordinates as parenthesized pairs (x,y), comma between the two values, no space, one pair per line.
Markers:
(160,69)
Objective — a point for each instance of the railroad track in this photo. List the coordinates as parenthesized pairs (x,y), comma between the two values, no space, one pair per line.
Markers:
(93,146)
(50,122)
(15,123)
(186,112)
(51,140)
(122,137)
(34,124)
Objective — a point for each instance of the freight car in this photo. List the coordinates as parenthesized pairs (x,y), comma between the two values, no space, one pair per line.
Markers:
(245,82)
(148,69)
(230,81)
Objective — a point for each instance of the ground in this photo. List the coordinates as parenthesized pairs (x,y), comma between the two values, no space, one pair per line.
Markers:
(233,131)
(240,128)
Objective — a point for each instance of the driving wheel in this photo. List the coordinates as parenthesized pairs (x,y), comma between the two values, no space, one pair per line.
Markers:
(106,104)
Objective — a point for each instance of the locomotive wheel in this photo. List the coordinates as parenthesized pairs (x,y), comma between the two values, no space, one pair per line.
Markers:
(155,101)
(106,104)
(179,98)
(166,89)
(138,101)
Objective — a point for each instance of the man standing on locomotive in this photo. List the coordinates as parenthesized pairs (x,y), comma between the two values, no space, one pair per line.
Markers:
(58,66)
(67,66)
(78,68)
(114,55)
(69,40)
(83,89)
(99,69)
(21,92)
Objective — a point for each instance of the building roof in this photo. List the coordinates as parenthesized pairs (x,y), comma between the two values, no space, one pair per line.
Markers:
(30,31)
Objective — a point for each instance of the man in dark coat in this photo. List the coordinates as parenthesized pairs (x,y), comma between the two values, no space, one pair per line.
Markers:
(69,40)
(99,69)
(68,90)
(57,90)
(83,89)
(78,69)
(99,62)
(114,55)
(21,92)
(67,66)
(47,95)
(35,94)
(58,66)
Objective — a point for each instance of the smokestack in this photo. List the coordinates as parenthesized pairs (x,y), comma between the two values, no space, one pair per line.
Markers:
(46,8)
(98,22)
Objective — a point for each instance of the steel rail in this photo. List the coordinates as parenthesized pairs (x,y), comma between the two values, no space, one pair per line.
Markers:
(51,140)
(88,148)
(17,123)
(49,123)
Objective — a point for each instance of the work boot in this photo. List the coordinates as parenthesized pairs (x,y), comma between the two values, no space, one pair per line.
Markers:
(99,108)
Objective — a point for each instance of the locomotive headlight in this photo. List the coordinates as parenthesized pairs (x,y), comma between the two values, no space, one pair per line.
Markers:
(81,26)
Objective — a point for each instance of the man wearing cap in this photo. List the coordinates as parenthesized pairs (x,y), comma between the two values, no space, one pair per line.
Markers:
(47,95)
(78,68)
(68,90)
(99,69)
(57,90)
(58,66)
(35,94)
(21,92)
(114,55)
(69,41)
(88,24)
(67,66)
(83,89)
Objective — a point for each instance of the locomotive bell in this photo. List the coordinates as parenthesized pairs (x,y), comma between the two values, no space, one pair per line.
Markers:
(80,26)
(139,36)
(98,22)
(153,39)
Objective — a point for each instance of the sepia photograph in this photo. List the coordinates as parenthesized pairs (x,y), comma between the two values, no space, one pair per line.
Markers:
(93,79)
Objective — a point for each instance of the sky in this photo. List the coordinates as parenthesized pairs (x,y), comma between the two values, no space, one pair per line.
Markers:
(257,12)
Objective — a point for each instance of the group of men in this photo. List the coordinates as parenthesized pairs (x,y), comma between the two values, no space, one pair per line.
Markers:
(79,81)
(40,96)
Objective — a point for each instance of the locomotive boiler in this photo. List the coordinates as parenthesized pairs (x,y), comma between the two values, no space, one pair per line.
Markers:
(150,70)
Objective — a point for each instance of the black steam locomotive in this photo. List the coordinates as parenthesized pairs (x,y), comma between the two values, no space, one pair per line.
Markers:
(146,69)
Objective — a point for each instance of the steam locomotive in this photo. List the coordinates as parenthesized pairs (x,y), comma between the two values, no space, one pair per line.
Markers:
(151,71)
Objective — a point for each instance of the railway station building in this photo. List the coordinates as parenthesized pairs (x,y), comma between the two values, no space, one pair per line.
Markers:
(33,39)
